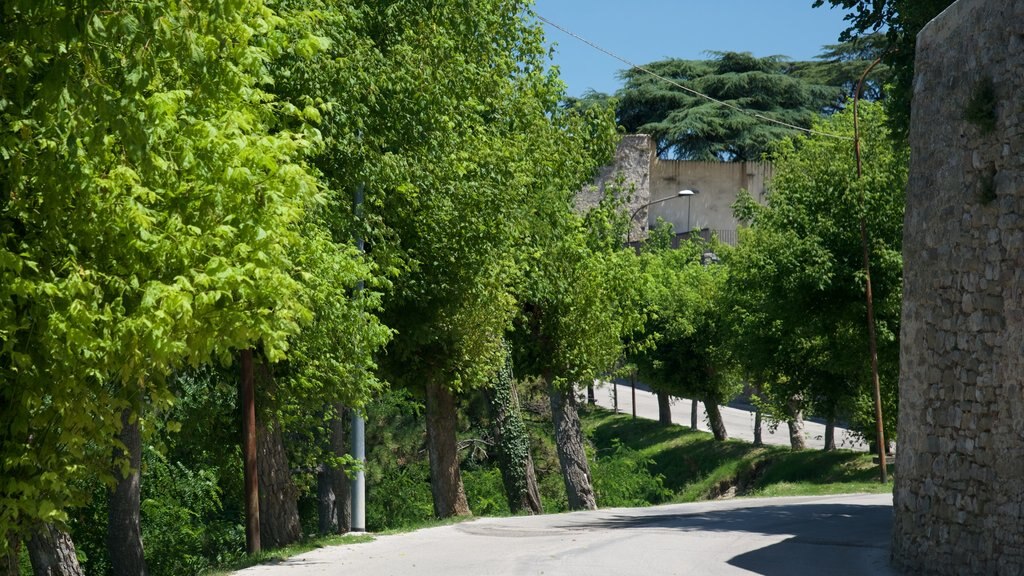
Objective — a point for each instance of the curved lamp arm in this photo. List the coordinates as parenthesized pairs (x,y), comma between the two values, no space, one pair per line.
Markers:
(632,217)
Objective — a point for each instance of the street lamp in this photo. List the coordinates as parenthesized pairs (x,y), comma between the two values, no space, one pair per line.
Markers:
(632,217)
(689,197)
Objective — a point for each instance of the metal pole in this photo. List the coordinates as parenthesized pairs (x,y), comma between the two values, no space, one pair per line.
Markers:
(688,226)
(883,474)
(250,472)
(359,482)
(358,423)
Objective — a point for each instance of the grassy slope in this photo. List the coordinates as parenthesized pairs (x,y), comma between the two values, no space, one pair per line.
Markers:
(696,467)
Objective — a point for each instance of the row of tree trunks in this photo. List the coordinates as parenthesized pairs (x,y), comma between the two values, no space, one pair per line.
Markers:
(52,552)
(445,477)
(512,444)
(715,420)
(124,515)
(796,423)
(758,440)
(664,408)
(830,434)
(333,489)
(571,454)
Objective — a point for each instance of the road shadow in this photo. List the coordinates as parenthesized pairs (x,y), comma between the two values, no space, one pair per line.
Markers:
(835,539)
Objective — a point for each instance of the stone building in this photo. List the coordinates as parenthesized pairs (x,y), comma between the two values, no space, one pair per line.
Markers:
(638,172)
(959,495)
(718,184)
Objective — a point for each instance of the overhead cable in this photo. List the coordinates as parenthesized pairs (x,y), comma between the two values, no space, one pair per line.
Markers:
(646,70)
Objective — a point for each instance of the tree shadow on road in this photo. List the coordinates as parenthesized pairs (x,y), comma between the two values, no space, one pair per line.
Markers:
(822,538)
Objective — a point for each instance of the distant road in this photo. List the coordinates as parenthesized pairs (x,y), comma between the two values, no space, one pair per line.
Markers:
(803,536)
(739,423)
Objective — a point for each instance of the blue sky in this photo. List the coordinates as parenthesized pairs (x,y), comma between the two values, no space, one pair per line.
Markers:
(643,31)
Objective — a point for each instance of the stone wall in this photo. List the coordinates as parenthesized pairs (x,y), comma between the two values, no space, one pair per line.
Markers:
(718,183)
(642,177)
(959,495)
(630,175)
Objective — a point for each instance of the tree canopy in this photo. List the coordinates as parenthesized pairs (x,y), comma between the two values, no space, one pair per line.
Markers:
(796,279)
(900,20)
(688,353)
(688,126)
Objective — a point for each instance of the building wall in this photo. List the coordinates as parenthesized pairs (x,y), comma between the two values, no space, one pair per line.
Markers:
(718,184)
(640,176)
(629,175)
(959,494)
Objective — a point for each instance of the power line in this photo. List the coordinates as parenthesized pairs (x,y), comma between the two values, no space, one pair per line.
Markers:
(685,88)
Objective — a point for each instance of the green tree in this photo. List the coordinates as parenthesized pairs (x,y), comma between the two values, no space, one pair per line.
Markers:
(841,65)
(688,126)
(796,282)
(581,301)
(455,129)
(149,201)
(901,20)
(688,355)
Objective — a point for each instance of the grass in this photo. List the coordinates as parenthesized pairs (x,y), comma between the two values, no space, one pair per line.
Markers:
(695,466)
(286,552)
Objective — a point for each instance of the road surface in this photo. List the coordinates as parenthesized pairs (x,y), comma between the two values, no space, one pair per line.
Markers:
(847,535)
(739,423)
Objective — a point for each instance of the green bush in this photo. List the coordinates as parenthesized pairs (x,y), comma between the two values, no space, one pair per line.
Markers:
(485,492)
(400,498)
(183,528)
(624,479)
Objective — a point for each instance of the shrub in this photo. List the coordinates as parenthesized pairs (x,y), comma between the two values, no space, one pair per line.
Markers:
(624,479)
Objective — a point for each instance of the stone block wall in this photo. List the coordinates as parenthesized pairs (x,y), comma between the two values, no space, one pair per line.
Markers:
(630,173)
(959,495)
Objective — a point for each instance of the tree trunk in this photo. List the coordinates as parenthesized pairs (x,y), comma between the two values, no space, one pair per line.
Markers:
(279,509)
(758,441)
(694,407)
(571,455)
(513,444)
(664,409)
(445,477)
(9,560)
(796,423)
(715,420)
(333,486)
(278,496)
(830,434)
(52,552)
(124,531)
(326,502)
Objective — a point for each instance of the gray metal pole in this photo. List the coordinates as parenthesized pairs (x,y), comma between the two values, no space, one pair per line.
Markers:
(359,482)
(358,424)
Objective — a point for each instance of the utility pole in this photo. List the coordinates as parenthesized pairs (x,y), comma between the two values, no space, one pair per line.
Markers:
(358,423)
(247,393)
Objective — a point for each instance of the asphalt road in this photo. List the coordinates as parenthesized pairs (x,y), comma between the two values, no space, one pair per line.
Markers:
(739,423)
(836,535)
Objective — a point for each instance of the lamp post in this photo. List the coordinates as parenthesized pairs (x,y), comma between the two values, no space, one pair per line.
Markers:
(689,197)
(687,193)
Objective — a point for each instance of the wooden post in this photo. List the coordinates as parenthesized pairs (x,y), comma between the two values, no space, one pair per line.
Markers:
(247,396)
